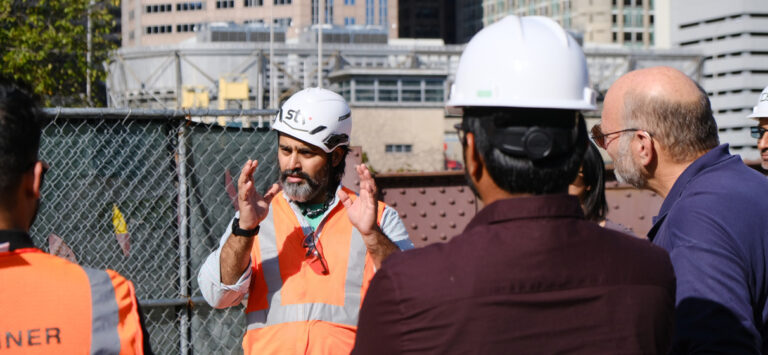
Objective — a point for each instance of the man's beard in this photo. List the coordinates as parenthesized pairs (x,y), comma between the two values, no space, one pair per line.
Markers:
(765,162)
(306,190)
(628,171)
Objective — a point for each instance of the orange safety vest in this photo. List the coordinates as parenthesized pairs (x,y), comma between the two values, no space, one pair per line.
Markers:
(291,308)
(49,305)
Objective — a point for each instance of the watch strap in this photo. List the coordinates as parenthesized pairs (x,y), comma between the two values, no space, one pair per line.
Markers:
(236,230)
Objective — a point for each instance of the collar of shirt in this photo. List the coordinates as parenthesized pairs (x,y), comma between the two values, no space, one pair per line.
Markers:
(715,156)
(541,206)
(16,238)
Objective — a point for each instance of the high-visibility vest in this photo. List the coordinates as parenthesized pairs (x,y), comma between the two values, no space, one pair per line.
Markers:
(49,305)
(291,308)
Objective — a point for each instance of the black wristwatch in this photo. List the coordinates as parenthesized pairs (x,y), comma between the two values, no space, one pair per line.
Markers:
(243,232)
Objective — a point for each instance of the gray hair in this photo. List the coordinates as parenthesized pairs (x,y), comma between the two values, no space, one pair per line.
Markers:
(685,129)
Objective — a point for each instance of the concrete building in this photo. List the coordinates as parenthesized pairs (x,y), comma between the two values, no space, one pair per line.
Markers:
(397,90)
(158,22)
(628,23)
(733,38)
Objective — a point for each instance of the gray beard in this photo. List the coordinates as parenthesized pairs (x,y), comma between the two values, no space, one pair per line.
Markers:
(301,192)
(307,189)
(627,171)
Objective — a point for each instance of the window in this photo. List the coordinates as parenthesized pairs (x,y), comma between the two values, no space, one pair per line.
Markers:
(615,36)
(639,37)
(383,13)
(282,22)
(433,90)
(328,11)
(282,2)
(158,8)
(225,4)
(189,6)
(158,29)
(188,27)
(388,90)
(411,90)
(349,2)
(398,148)
(349,21)
(369,12)
(627,36)
(251,3)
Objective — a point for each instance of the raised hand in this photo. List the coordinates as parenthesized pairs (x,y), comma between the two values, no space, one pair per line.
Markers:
(253,206)
(362,211)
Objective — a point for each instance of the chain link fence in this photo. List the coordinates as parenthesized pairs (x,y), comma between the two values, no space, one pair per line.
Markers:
(148,193)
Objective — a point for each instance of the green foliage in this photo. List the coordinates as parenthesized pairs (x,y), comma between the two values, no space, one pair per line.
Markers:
(43,43)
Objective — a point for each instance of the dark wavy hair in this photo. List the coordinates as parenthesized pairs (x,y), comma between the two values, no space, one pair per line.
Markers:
(336,173)
(593,171)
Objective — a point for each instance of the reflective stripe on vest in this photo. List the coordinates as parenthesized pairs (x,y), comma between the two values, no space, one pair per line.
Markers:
(277,313)
(105,313)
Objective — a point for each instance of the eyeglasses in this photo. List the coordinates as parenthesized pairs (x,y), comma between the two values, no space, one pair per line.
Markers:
(757,132)
(314,256)
(460,132)
(599,137)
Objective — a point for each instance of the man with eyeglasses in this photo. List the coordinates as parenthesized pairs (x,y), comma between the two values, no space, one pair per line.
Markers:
(49,305)
(658,127)
(529,274)
(760,113)
(303,256)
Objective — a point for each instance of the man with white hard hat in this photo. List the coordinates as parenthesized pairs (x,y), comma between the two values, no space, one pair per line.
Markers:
(529,274)
(760,113)
(303,257)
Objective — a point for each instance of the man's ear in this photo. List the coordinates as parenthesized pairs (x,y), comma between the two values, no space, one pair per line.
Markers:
(473,159)
(37,183)
(336,156)
(643,148)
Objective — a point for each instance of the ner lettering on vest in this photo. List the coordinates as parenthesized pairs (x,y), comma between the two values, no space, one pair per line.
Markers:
(34,337)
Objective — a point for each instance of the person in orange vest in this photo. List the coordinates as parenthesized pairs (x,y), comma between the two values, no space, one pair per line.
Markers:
(303,256)
(49,305)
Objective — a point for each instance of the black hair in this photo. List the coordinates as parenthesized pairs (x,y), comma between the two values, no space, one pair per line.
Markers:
(19,134)
(593,172)
(336,173)
(517,174)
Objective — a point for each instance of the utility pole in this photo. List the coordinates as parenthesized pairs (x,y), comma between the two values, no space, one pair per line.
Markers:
(88,54)
(321,11)
(272,76)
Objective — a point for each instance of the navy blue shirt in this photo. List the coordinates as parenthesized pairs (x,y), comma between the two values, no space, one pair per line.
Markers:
(714,224)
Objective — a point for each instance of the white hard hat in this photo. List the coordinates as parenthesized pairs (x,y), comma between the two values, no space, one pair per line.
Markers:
(316,116)
(761,110)
(522,62)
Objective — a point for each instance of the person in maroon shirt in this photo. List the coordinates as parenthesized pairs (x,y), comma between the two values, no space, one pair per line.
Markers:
(529,274)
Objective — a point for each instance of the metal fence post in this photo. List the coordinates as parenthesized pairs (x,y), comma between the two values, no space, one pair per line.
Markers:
(184,324)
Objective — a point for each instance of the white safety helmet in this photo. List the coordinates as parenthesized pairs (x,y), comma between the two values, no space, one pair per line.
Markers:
(526,62)
(761,109)
(316,116)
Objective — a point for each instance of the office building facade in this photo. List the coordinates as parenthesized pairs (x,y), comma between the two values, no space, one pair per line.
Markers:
(733,38)
(163,22)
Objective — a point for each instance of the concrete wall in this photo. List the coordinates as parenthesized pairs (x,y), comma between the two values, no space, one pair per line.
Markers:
(375,127)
